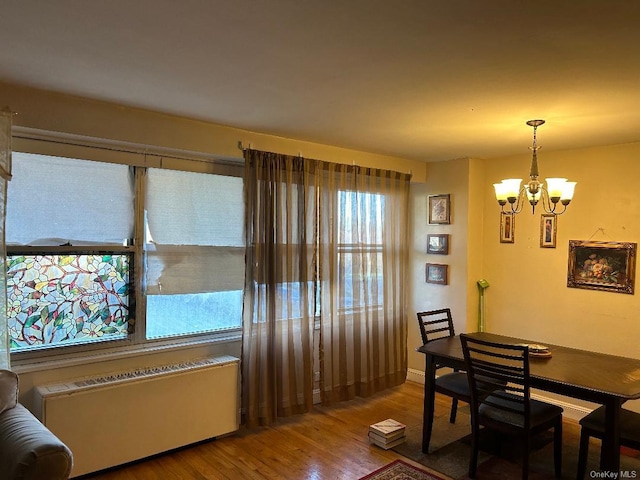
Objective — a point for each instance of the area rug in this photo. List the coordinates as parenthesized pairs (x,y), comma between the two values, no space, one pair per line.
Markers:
(450,451)
(400,470)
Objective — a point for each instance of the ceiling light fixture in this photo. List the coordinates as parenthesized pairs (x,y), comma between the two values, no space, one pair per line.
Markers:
(558,190)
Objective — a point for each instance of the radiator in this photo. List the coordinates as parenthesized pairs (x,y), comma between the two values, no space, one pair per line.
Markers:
(118,418)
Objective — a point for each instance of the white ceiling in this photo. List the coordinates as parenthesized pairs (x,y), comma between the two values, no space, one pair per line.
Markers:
(420,79)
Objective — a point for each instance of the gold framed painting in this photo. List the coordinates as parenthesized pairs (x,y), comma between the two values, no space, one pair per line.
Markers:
(439,207)
(548,225)
(507,227)
(606,266)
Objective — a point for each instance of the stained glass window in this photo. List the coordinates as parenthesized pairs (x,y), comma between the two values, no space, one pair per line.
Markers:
(67,298)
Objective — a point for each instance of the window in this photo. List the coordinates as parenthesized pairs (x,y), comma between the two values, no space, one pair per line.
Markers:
(58,294)
(71,259)
(195,252)
(360,250)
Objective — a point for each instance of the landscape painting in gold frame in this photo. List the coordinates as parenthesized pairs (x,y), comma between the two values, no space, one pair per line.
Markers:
(606,266)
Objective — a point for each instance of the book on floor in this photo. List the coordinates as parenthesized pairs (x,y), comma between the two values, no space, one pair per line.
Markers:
(388,428)
(385,438)
(388,444)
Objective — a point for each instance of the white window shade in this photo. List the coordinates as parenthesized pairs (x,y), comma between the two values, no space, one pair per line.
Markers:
(187,208)
(54,200)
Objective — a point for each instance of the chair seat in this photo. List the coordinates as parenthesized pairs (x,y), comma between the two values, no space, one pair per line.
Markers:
(453,384)
(541,412)
(629,426)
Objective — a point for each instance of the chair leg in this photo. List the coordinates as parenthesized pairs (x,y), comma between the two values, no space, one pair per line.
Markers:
(454,410)
(526,446)
(475,444)
(557,448)
(582,455)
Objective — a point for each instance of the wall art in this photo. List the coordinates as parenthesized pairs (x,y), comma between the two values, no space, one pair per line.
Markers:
(437,273)
(439,207)
(438,244)
(548,225)
(607,266)
(507,227)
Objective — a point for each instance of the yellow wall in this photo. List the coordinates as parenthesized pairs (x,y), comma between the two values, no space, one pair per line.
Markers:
(72,115)
(528,295)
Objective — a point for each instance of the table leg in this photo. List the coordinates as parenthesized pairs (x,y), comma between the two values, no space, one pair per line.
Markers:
(610,450)
(429,401)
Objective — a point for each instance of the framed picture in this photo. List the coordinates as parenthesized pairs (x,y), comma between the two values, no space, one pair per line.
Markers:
(439,209)
(548,224)
(437,273)
(507,227)
(438,244)
(608,266)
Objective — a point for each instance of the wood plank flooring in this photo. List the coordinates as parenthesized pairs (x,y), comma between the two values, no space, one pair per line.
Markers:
(328,443)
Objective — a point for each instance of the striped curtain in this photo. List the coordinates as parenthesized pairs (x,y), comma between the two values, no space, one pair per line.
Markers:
(325,283)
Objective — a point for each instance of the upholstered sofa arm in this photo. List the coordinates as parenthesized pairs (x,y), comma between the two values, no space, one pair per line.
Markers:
(28,450)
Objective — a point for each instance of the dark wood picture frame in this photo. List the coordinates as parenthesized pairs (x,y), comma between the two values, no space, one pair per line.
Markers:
(605,266)
(438,243)
(507,227)
(548,227)
(439,207)
(437,273)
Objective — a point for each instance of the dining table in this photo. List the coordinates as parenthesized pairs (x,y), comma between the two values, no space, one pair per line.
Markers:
(600,378)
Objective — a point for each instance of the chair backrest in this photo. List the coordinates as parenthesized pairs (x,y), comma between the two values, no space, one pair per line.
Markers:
(500,371)
(435,324)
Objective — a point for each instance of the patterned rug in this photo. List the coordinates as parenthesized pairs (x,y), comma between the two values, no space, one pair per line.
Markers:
(400,470)
(451,447)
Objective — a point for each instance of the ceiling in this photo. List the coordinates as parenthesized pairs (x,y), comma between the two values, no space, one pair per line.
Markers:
(419,79)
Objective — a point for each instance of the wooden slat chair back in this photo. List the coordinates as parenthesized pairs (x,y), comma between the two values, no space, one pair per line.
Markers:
(435,324)
(500,399)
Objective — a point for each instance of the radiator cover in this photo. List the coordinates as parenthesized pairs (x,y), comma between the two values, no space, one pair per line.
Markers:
(122,417)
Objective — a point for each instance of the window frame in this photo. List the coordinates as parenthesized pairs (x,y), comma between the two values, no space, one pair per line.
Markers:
(138,157)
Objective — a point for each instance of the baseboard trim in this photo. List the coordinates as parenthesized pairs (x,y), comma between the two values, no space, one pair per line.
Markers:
(572,411)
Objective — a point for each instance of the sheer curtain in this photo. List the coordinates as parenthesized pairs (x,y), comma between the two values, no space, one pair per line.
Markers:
(278,316)
(326,249)
(5,176)
(362,258)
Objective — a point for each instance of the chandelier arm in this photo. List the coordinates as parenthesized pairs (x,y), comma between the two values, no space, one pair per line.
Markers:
(547,204)
(519,203)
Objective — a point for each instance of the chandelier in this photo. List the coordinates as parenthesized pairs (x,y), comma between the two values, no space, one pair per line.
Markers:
(557,191)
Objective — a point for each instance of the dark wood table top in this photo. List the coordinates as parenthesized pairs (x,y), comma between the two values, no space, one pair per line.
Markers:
(570,371)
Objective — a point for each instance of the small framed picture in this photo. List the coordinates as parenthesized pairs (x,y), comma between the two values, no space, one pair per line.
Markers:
(548,224)
(439,209)
(507,227)
(438,244)
(437,273)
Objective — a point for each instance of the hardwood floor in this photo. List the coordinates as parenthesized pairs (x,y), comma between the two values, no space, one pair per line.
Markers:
(328,443)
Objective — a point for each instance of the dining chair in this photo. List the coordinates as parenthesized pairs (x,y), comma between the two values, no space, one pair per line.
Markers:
(593,426)
(501,401)
(436,324)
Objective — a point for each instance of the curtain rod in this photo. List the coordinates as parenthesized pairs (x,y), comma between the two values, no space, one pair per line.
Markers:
(27,133)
